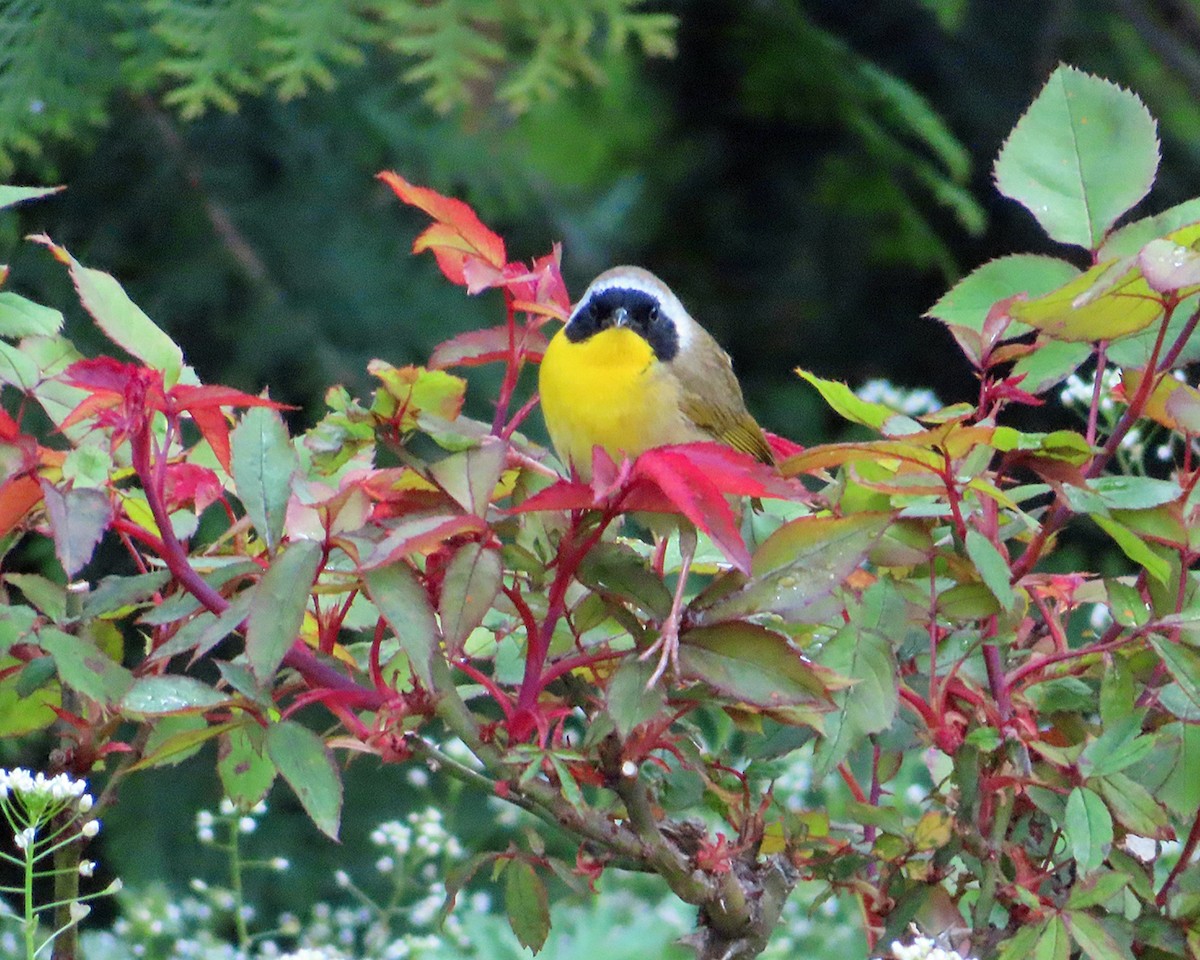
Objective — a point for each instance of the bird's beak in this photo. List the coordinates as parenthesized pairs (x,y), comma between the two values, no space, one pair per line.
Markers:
(620,317)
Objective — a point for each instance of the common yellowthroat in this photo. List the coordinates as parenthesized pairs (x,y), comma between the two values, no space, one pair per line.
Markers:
(632,370)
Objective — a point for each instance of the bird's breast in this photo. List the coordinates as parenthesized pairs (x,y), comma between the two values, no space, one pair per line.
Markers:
(608,390)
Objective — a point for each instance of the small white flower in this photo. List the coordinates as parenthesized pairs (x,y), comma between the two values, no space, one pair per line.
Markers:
(115,887)
(87,868)
(78,910)
(25,838)
(418,777)
(91,828)
(247,824)
(259,808)
(385,864)
(341,878)
(226,807)
(280,864)
(85,803)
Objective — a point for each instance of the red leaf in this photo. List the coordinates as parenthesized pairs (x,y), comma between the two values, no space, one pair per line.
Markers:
(782,447)
(191,483)
(477,347)
(9,429)
(18,495)
(686,484)
(727,469)
(188,397)
(215,429)
(457,233)
(101,373)
(563,495)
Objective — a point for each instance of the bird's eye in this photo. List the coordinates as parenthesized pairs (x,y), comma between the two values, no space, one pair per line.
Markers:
(653,314)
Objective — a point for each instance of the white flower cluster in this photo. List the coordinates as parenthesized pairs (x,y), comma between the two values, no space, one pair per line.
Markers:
(42,791)
(1077,392)
(314,953)
(912,403)
(227,812)
(423,832)
(923,948)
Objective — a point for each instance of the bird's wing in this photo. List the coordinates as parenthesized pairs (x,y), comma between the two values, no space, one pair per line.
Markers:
(712,399)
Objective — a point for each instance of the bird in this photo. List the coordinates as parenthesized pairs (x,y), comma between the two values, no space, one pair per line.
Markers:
(631,370)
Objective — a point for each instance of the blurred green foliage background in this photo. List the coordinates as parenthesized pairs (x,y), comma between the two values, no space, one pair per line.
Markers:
(809,176)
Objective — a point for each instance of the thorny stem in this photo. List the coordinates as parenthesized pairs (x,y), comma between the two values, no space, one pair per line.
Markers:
(991,866)
(1097,393)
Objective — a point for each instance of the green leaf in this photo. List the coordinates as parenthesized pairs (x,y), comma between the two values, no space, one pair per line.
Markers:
(1130,238)
(263,463)
(1050,363)
(993,569)
(123,321)
(1110,301)
(862,652)
(1183,663)
(470,477)
(750,664)
(1054,943)
(1134,547)
(404,604)
(11,196)
(1021,945)
(628,700)
(527,904)
(246,771)
(614,568)
(116,594)
(1126,605)
(1134,807)
(34,676)
(277,610)
(78,520)
(796,567)
(1084,153)
(1119,746)
(967,303)
(21,318)
(157,696)
(469,585)
(1095,940)
(1097,889)
(206,629)
(1088,827)
(1134,493)
(175,739)
(16,622)
(17,369)
(306,764)
(845,402)
(49,597)
(22,713)
(82,667)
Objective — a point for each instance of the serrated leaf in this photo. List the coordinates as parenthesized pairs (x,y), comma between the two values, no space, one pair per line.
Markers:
(17,369)
(1182,663)
(49,597)
(1110,301)
(847,403)
(1097,889)
(1088,827)
(1134,493)
(305,763)
(1134,547)
(469,585)
(1127,240)
(1095,940)
(11,195)
(123,321)
(246,771)
(967,303)
(527,905)
(277,610)
(993,569)
(750,664)
(263,463)
(796,567)
(114,593)
(616,569)
(78,520)
(84,668)
(1084,153)
(206,629)
(627,699)
(156,696)
(1050,363)
(404,604)
(1134,807)
(175,739)
(470,477)
(20,318)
